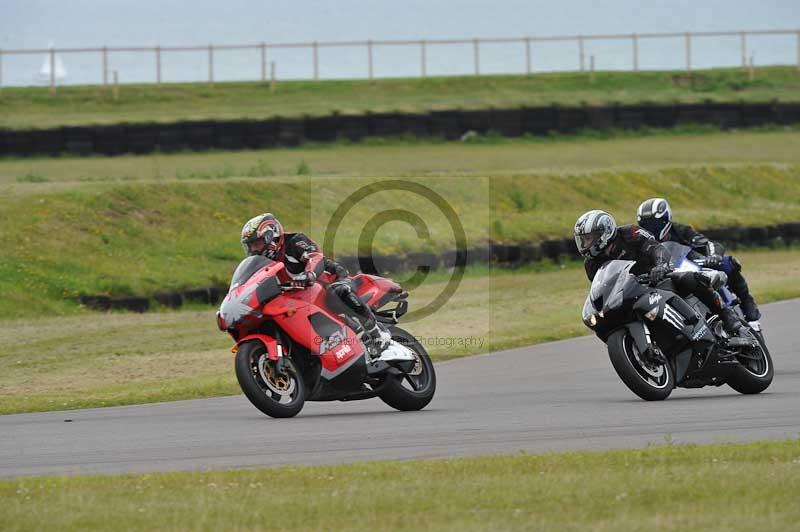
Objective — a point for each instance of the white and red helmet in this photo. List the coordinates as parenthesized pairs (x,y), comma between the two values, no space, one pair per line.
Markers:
(263,235)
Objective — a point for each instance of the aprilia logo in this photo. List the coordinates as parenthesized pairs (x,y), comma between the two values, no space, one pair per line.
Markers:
(655,298)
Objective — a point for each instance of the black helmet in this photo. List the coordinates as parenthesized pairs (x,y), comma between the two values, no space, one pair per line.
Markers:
(593,231)
(655,216)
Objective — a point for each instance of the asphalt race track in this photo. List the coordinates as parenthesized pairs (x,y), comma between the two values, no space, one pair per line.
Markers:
(551,397)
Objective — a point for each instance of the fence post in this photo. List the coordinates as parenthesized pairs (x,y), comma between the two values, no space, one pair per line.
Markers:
(591,69)
(423,58)
(743,48)
(315,49)
(580,52)
(477,56)
(263,62)
(115,90)
(751,74)
(527,55)
(272,76)
(798,50)
(211,64)
(635,39)
(688,38)
(105,65)
(1,69)
(52,70)
(369,57)
(158,64)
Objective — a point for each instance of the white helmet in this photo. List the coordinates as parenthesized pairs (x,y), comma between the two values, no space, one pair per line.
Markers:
(593,231)
(655,216)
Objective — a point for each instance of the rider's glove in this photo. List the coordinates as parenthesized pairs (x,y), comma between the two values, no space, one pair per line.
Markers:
(658,273)
(714,262)
(304,279)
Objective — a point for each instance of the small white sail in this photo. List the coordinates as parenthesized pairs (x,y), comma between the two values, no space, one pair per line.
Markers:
(44,73)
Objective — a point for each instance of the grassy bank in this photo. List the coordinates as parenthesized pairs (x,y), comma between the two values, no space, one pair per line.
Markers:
(52,363)
(33,107)
(586,152)
(137,238)
(664,488)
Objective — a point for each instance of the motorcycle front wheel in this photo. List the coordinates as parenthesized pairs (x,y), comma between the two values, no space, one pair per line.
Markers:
(415,389)
(276,393)
(650,381)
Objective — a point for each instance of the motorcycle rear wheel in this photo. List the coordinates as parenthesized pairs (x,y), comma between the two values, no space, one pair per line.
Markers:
(753,376)
(651,383)
(276,395)
(416,389)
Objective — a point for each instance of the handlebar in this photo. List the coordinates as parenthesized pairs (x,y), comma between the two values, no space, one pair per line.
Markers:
(645,277)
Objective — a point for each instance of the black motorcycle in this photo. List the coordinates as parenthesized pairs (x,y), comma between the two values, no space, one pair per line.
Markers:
(657,340)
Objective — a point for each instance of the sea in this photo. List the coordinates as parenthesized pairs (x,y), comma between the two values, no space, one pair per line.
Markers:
(41,24)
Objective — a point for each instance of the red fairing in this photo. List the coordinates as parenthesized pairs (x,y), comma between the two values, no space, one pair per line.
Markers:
(269,342)
(376,287)
(301,314)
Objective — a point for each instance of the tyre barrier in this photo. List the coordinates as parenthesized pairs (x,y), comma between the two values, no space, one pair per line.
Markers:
(498,254)
(452,124)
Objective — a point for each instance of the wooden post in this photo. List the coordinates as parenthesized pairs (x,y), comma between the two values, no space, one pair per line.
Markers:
(423,58)
(105,65)
(52,70)
(635,39)
(798,50)
(743,48)
(476,56)
(527,55)
(211,64)
(580,53)
(369,58)
(263,62)
(272,76)
(751,73)
(591,69)
(315,49)
(688,38)
(158,64)
(115,89)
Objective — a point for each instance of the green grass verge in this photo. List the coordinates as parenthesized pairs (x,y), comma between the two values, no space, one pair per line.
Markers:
(486,155)
(51,363)
(722,487)
(138,238)
(33,107)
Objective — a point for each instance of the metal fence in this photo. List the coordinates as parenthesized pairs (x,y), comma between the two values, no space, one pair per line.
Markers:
(526,44)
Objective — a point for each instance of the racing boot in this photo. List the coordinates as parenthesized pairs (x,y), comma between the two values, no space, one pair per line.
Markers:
(730,321)
(739,287)
(376,339)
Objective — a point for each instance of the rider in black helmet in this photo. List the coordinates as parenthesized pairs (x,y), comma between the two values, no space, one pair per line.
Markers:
(655,215)
(599,240)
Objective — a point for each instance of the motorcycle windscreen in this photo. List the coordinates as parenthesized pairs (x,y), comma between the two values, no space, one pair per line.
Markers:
(609,284)
(247,268)
(252,286)
(677,256)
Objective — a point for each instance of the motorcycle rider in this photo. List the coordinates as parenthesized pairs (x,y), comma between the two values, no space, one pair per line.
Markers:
(599,240)
(264,235)
(655,215)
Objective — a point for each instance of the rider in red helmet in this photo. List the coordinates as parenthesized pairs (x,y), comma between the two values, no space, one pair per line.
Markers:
(264,235)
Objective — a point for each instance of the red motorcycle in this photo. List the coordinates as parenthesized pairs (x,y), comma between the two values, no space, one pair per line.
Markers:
(295,345)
